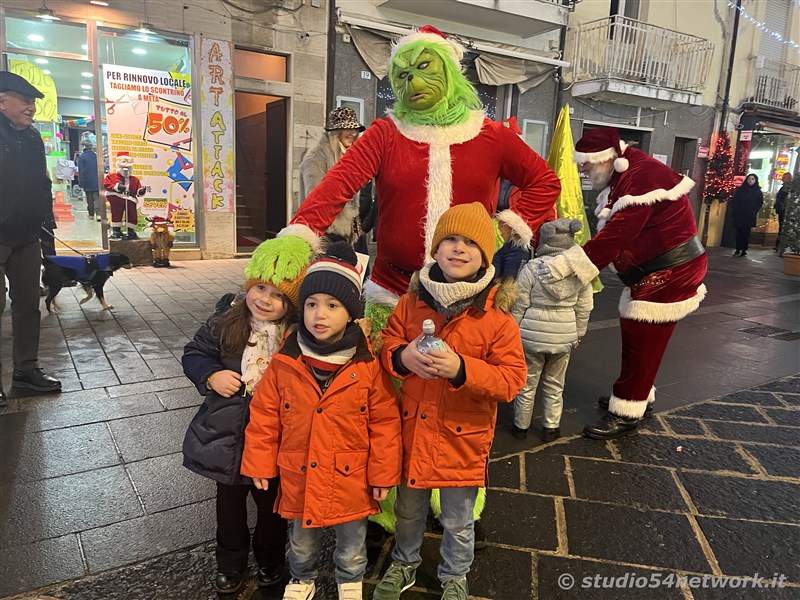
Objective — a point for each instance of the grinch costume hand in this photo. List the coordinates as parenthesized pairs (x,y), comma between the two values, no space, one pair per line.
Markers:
(285,257)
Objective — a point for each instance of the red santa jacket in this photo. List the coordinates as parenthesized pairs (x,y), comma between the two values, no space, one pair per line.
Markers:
(114,182)
(420,171)
(648,214)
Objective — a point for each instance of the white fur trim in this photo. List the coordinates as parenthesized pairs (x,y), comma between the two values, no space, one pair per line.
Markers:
(304,232)
(621,165)
(379,294)
(581,266)
(518,226)
(683,187)
(453,48)
(594,157)
(452,134)
(659,312)
(633,409)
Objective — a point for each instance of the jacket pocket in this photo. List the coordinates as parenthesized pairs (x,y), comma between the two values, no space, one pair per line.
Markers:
(350,493)
(292,468)
(466,440)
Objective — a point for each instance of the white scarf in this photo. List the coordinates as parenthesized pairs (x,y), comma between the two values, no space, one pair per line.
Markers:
(447,294)
(265,339)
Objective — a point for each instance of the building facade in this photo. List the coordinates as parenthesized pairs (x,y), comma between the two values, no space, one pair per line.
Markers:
(209,98)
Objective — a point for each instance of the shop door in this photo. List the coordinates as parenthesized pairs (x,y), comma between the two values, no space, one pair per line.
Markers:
(683,153)
(260,168)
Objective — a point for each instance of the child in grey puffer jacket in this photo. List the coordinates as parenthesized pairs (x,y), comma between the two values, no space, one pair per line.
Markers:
(552,318)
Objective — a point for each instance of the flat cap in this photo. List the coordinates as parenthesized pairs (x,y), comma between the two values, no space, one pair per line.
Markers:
(11,82)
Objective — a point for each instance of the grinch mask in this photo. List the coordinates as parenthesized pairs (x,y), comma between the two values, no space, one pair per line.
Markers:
(429,86)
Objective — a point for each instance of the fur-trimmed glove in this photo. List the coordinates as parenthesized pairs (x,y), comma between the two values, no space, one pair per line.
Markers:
(119,188)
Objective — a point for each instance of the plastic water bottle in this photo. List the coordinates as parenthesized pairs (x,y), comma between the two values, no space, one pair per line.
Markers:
(429,340)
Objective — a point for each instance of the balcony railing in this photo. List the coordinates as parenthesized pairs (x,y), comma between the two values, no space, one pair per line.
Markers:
(775,84)
(626,49)
(570,4)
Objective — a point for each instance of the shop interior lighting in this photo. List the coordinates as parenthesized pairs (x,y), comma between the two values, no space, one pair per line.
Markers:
(98,2)
(46,71)
(87,74)
(46,14)
(145,27)
(35,37)
(85,87)
(86,97)
(41,61)
(139,51)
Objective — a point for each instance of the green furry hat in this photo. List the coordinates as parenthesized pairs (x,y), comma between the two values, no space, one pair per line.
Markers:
(281,263)
(425,74)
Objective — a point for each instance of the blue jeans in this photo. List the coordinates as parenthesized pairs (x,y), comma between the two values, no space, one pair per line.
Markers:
(458,542)
(350,556)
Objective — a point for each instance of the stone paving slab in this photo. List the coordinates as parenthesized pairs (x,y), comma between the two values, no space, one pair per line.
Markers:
(122,519)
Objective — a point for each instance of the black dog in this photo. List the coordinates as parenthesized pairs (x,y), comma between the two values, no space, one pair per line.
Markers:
(91,272)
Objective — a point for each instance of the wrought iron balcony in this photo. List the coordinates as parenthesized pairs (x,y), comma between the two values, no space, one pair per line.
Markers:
(775,84)
(633,58)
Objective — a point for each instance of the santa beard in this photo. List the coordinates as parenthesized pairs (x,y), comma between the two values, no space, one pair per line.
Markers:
(600,176)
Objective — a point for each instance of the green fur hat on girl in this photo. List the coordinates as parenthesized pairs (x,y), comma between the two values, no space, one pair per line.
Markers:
(281,264)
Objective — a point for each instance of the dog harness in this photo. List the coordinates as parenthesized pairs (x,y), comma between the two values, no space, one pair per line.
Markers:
(85,267)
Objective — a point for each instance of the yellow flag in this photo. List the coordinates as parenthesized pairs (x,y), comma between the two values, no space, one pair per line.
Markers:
(570,202)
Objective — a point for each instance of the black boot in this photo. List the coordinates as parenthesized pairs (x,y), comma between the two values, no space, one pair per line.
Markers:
(131,235)
(550,434)
(269,577)
(35,379)
(116,233)
(3,398)
(376,535)
(228,583)
(603,401)
(611,427)
(519,433)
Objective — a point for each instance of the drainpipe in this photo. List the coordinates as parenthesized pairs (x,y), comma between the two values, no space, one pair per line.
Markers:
(331,67)
(726,98)
(559,99)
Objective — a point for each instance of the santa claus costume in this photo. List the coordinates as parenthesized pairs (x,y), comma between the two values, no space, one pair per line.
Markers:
(122,189)
(647,231)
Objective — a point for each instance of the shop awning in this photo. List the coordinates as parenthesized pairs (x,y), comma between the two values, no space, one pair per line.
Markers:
(496,64)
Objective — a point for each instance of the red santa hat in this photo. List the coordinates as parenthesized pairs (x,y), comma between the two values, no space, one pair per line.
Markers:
(123,154)
(599,145)
(429,33)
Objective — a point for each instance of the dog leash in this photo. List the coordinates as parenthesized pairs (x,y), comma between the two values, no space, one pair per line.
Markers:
(53,235)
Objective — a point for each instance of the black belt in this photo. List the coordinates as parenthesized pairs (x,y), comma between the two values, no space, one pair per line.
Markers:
(688,250)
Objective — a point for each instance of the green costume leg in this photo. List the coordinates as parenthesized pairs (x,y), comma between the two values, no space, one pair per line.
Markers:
(480,502)
(379,313)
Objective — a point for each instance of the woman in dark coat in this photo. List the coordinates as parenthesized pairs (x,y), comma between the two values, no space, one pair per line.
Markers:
(744,207)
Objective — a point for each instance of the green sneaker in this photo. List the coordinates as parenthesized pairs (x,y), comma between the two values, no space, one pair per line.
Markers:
(397,579)
(455,589)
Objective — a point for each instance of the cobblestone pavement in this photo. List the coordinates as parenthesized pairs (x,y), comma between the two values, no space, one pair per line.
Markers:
(94,503)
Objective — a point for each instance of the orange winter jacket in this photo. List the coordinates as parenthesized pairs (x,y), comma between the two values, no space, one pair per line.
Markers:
(330,449)
(448,431)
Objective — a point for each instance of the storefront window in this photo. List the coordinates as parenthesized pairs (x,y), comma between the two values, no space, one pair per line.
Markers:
(146,92)
(47,37)
(771,155)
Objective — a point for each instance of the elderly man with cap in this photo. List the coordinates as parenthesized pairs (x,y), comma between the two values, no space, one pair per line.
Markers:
(25,204)
(648,231)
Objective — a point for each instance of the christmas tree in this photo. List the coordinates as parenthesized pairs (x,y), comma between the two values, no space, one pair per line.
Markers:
(719,175)
(790,232)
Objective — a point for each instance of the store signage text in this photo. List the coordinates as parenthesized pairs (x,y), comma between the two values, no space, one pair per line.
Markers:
(217,114)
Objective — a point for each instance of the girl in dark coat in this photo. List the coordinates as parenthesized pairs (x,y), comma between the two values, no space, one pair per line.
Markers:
(744,207)
(225,360)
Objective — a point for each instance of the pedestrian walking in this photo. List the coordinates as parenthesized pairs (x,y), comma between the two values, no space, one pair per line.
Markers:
(225,360)
(26,203)
(449,398)
(746,203)
(88,180)
(325,418)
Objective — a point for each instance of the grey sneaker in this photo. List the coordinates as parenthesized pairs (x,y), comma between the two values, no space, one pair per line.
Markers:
(397,579)
(455,589)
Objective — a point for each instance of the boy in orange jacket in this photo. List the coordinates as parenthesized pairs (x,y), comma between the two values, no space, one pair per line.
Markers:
(324,416)
(449,398)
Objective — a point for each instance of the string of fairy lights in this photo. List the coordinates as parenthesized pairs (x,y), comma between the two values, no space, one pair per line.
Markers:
(760,25)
